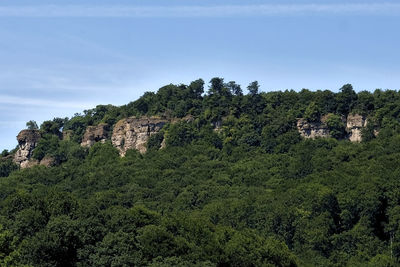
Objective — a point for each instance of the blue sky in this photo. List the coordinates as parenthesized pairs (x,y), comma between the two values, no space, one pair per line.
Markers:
(61,57)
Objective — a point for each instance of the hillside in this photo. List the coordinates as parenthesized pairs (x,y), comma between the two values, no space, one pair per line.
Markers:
(184,177)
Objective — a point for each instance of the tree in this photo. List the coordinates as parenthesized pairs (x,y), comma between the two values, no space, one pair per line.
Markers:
(336,126)
(6,167)
(32,125)
(53,127)
(312,113)
(234,88)
(5,153)
(217,85)
(253,88)
(196,88)
(368,132)
(180,134)
(346,99)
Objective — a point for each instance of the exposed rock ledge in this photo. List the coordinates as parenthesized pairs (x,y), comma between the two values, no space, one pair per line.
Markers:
(354,124)
(133,133)
(94,134)
(312,129)
(27,141)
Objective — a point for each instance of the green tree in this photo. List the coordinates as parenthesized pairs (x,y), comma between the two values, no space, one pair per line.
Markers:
(234,88)
(346,99)
(336,126)
(32,125)
(253,88)
(312,113)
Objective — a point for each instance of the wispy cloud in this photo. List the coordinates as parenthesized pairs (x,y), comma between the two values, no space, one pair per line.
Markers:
(131,11)
(43,103)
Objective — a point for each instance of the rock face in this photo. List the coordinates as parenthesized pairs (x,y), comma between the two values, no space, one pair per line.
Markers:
(354,125)
(47,162)
(94,134)
(133,133)
(27,141)
(312,129)
(217,126)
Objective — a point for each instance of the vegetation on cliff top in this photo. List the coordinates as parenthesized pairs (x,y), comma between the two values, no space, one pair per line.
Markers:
(252,193)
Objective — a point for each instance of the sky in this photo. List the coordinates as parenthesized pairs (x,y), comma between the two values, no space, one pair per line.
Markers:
(58,58)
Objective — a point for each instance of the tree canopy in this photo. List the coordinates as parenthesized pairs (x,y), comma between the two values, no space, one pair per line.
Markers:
(236,185)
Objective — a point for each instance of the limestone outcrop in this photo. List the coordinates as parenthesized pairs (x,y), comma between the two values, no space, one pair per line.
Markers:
(355,123)
(47,161)
(94,134)
(312,129)
(27,141)
(133,133)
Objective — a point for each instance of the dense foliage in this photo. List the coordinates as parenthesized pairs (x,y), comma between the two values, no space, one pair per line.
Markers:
(235,186)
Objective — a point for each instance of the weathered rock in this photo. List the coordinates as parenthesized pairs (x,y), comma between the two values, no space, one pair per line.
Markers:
(133,133)
(188,118)
(217,126)
(312,129)
(355,123)
(94,134)
(27,141)
(29,163)
(163,144)
(47,161)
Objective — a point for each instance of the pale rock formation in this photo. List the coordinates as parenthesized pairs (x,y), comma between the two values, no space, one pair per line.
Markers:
(163,144)
(47,161)
(355,123)
(187,118)
(217,126)
(27,141)
(133,133)
(312,129)
(94,134)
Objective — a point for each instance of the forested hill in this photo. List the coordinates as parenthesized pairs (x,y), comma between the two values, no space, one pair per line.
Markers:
(184,177)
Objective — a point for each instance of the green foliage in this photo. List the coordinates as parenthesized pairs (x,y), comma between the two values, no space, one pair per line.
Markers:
(7,166)
(180,134)
(155,141)
(346,99)
(236,185)
(336,126)
(368,132)
(59,150)
(52,127)
(32,125)
(47,145)
(312,113)
(253,88)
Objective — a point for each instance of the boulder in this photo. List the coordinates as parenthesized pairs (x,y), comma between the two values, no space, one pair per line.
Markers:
(27,141)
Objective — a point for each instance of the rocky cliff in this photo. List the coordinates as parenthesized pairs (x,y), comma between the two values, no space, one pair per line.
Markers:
(312,129)
(355,123)
(94,134)
(27,141)
(133,133)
